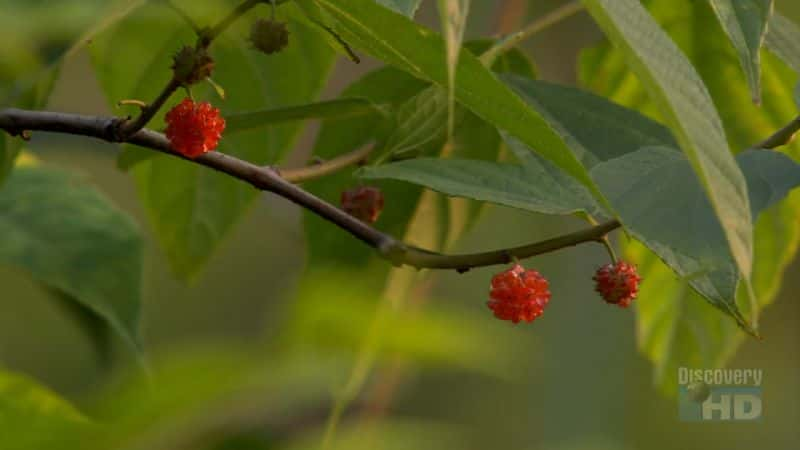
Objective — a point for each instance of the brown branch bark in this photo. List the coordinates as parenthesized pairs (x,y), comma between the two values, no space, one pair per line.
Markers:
(17,122)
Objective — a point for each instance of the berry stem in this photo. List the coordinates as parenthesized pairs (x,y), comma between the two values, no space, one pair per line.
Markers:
(15,121)
(128,128)
(323,168)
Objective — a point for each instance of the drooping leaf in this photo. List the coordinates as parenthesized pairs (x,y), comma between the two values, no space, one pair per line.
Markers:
(402,43)
(695,29)
(192,208)
(745,23)
(661,203)
(687,108)
(68,236)
(535,186)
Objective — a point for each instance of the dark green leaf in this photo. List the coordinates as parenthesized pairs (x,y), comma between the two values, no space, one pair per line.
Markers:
(683,331)
(71,238)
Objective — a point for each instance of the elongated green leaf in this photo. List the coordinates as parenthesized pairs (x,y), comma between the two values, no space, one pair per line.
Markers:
(33,417)
(453,16)
(406,7)
(68,236)
(783,39)
(688,109)
(339,108)
(707,340)
(192,208)
(404,44)
(536,186)
(745,22)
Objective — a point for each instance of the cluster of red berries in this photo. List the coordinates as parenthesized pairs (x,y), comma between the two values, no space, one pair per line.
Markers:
(520,294)
(194,128)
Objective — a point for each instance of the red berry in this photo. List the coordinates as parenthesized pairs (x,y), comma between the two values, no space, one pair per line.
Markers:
(365,203)
(617,283)
(194,128)
(518,294)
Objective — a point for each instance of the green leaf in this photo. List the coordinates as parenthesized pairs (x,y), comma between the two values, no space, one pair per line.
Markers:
(191,208)
(700,339)
(339,108)
(687,107)
(453,16)
(535,186)
(661,203)
(31,416)
(783,38)
(421,121)
(406,7)
(193,396)
(73,239)
(675,326)
(745,22)
(595,129)
(402,43)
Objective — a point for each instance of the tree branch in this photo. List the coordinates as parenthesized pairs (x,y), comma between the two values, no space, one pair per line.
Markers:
(507,43)
(782,137)
(17,122)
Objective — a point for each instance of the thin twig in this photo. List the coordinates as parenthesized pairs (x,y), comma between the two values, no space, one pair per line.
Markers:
(542,23)
(128,128)
(782,137)
(322,169)
(17,121)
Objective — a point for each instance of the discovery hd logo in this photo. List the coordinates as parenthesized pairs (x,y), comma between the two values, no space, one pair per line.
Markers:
(719,394)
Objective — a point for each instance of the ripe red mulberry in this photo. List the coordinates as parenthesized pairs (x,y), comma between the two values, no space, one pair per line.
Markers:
(194,128)
(518,294)
(618,283)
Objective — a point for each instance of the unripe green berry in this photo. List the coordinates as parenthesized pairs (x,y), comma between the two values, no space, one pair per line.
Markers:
(191,65)
(269,36)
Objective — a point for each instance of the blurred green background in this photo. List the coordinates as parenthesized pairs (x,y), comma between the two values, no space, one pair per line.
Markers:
(571,380)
